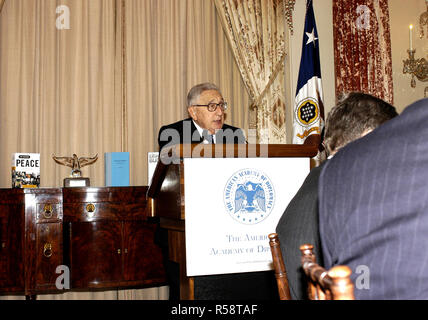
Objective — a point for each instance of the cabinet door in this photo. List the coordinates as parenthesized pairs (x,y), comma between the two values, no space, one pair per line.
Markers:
(96,253)
(142,257)
(11,248)
(48,254)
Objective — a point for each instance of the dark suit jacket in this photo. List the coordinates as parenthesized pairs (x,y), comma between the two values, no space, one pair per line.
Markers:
(374,208)
(185,131)
(299,225)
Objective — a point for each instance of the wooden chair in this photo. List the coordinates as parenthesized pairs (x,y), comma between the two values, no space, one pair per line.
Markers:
(279,267)
(334,284)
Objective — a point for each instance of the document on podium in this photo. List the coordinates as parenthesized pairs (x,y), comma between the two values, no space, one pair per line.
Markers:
(231,206)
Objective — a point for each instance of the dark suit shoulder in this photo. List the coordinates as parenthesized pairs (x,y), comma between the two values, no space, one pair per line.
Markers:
(227,126)
(304,201)
(238,137)
(299,225)
(177,132)
(175,125)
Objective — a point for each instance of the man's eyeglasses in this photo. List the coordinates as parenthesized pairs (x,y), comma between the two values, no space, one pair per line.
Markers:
(213,106)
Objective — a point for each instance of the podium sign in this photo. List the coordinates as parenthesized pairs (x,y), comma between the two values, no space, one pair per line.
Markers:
(232,204)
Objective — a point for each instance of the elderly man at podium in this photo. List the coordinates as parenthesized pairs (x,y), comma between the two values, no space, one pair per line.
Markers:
(206,107)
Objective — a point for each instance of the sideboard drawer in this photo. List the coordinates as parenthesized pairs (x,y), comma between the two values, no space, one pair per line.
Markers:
(112,203)
(93,211)
(48,212)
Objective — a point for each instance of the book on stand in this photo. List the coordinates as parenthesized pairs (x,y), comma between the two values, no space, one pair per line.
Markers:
(116,169)
(152,161)
(25,170)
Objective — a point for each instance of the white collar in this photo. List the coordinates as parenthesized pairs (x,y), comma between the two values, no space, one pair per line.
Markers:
(200,130)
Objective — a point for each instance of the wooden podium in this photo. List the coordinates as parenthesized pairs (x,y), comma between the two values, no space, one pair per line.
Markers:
(167,197)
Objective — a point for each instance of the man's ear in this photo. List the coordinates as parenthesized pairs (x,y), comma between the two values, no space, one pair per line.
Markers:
(192,112)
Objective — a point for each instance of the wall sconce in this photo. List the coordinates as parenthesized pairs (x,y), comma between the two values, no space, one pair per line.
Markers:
(417,67)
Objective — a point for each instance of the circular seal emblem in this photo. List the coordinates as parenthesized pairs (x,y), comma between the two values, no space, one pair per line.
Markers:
(249,196)
(307,111)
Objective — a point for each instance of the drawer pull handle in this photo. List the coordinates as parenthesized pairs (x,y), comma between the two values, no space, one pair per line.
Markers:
(47,250)
(90,207)
(47,211)
(118,251)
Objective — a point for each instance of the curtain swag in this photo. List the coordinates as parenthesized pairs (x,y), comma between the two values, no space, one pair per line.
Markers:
(256,33)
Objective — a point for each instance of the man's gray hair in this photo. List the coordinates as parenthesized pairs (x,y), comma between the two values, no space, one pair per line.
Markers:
(195,92)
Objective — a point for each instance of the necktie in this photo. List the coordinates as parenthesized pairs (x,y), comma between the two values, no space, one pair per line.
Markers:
(209,138)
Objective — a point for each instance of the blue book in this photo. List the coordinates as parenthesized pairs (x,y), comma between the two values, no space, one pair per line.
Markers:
(116,169)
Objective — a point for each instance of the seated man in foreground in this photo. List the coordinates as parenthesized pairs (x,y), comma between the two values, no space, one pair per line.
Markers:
(353,117)
(374,208)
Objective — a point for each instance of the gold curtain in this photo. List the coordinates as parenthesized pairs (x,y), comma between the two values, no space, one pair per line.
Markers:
(58,83)
(1,4)
(171,46)
(256,33)
(107,80)
(90,77)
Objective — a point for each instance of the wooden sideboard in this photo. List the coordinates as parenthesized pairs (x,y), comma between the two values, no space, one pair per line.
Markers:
(104,237)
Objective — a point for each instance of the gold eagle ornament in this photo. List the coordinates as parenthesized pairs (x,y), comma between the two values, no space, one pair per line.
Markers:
(75,163)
